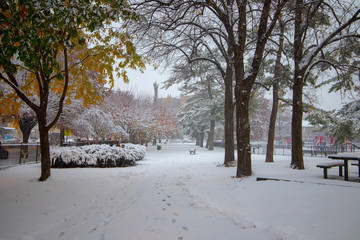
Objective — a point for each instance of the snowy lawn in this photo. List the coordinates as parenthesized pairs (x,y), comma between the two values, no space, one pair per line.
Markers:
(174,195)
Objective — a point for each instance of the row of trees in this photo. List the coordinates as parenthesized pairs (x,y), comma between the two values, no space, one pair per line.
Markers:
(307,40)
(121,116)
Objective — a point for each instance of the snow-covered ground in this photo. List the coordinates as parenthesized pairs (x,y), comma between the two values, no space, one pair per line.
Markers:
(174,195)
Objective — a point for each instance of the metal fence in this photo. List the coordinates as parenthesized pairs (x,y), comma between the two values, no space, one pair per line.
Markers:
(307,149)
(14,154)
(285,149)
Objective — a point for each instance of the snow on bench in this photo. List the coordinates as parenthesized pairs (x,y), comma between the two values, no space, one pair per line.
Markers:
(326,166)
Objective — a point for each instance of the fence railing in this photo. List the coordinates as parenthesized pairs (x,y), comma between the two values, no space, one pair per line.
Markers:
(14,154)
(313,150)
(285,149)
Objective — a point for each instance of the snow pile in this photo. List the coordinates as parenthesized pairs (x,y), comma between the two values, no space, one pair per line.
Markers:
(97,156)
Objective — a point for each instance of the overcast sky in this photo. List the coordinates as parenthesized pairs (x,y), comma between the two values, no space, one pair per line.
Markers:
(142,83)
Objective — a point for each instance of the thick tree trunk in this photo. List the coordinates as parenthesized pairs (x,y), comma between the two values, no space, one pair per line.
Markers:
(229,119)
(243,134)
(44,147)
(297,160)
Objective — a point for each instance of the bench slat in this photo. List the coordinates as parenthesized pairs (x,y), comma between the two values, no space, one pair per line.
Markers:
(329,165)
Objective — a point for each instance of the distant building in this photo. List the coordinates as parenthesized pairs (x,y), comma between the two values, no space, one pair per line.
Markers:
(173,104)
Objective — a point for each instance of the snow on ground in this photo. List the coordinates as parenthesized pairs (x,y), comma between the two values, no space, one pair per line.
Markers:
(174,195)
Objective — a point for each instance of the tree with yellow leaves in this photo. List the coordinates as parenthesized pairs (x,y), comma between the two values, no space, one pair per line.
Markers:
(41,39)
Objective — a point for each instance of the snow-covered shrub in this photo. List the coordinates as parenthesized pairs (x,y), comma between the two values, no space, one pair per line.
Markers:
(97,156)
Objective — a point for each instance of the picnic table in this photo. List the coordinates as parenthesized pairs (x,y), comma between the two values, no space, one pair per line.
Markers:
(346,158)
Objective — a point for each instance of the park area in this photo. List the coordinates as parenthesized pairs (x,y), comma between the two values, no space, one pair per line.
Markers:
(171,194)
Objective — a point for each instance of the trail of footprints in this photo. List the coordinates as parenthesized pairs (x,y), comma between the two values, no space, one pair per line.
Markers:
(167,204)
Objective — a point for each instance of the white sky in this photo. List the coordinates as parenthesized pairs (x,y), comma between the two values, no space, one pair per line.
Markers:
(142,83)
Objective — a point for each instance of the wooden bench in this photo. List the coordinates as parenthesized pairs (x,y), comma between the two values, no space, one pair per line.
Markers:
(326,166)
(192,151)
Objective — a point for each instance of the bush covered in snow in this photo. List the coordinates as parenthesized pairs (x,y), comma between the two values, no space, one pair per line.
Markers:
(97,156)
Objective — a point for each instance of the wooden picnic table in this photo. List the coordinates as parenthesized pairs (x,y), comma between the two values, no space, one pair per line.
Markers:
(346,158)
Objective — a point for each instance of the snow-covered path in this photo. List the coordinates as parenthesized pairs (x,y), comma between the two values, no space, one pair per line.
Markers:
(174,195)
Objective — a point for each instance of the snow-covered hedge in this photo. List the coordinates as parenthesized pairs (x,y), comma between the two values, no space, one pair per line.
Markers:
(97,156)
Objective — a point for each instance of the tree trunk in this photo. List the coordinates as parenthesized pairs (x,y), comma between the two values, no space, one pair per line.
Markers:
(202,134)
(211,134)
(297,160)
(197,139)
(272,124)
(207,141)
(44,147)
(229,119)
(274,110)
(210,139)
(243,133)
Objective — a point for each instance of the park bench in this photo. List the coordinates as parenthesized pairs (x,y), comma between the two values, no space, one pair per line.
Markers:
(326,166)
(192,151)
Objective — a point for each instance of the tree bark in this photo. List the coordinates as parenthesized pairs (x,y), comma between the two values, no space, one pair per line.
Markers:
(44,147)
(297,160)
(210,142)
(229,158)
(243,133)
(272,124)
